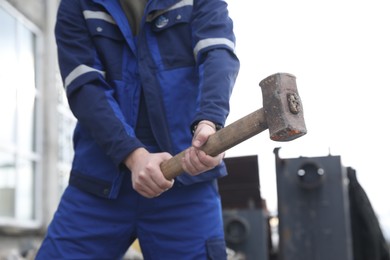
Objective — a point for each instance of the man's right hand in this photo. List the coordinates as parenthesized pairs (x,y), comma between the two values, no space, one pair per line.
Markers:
(147,178)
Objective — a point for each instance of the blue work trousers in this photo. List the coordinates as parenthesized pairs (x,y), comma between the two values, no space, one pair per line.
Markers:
(183,223)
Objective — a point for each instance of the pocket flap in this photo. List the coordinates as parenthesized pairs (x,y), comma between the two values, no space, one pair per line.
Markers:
(216,249)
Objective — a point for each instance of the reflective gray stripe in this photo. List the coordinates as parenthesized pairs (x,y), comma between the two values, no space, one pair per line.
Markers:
(175,6)
(181,4)
(79,71)
(98,15)
(210,42)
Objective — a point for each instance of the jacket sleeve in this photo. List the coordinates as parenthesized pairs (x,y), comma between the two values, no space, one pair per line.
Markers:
(90,96)
(214,43)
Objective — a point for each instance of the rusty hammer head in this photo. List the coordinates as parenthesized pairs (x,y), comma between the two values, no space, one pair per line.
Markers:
(282,106)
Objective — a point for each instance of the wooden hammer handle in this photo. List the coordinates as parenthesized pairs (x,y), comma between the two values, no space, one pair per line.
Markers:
(221,141)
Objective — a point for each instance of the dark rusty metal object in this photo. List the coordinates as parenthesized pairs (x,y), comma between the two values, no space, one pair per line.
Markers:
(283,107)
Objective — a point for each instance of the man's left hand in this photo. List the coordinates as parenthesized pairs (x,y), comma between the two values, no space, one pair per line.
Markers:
(195,161)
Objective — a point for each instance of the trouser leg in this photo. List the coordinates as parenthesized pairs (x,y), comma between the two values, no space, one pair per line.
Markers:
(183,223)
(88,227)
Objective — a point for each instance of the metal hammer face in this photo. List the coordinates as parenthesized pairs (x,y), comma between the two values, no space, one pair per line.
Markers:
(282,107)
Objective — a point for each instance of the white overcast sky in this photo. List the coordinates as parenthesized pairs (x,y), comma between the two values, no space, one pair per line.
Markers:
(339,52)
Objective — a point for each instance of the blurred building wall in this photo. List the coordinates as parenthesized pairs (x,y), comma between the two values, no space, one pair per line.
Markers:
(18,239)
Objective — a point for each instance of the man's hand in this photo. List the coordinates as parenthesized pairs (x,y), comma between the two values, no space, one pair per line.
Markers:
(146,176)
(195,161)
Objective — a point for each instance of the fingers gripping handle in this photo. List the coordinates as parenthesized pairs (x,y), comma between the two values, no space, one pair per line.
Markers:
(221,141)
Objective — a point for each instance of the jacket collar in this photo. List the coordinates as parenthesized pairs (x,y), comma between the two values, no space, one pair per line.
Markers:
(115,9)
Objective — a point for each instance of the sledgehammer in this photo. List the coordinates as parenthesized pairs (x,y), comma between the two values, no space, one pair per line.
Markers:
(282,114)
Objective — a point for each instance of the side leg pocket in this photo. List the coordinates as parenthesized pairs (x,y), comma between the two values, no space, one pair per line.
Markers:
(216,249)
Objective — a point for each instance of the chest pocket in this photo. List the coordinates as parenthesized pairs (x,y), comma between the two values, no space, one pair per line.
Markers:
(109,43)
(172,30)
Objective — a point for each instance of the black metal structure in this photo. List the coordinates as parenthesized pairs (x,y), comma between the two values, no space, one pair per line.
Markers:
(313,209)
(245,221)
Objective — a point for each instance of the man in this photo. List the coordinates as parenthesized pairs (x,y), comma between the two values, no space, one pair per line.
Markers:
(145,80)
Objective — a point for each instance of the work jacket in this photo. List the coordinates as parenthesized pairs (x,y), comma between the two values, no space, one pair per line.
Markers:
(183,60)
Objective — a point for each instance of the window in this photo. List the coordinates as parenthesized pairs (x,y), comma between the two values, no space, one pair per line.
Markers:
(19,99)
(66,125)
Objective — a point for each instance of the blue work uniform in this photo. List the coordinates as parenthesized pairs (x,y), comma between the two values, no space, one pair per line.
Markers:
(128,92)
